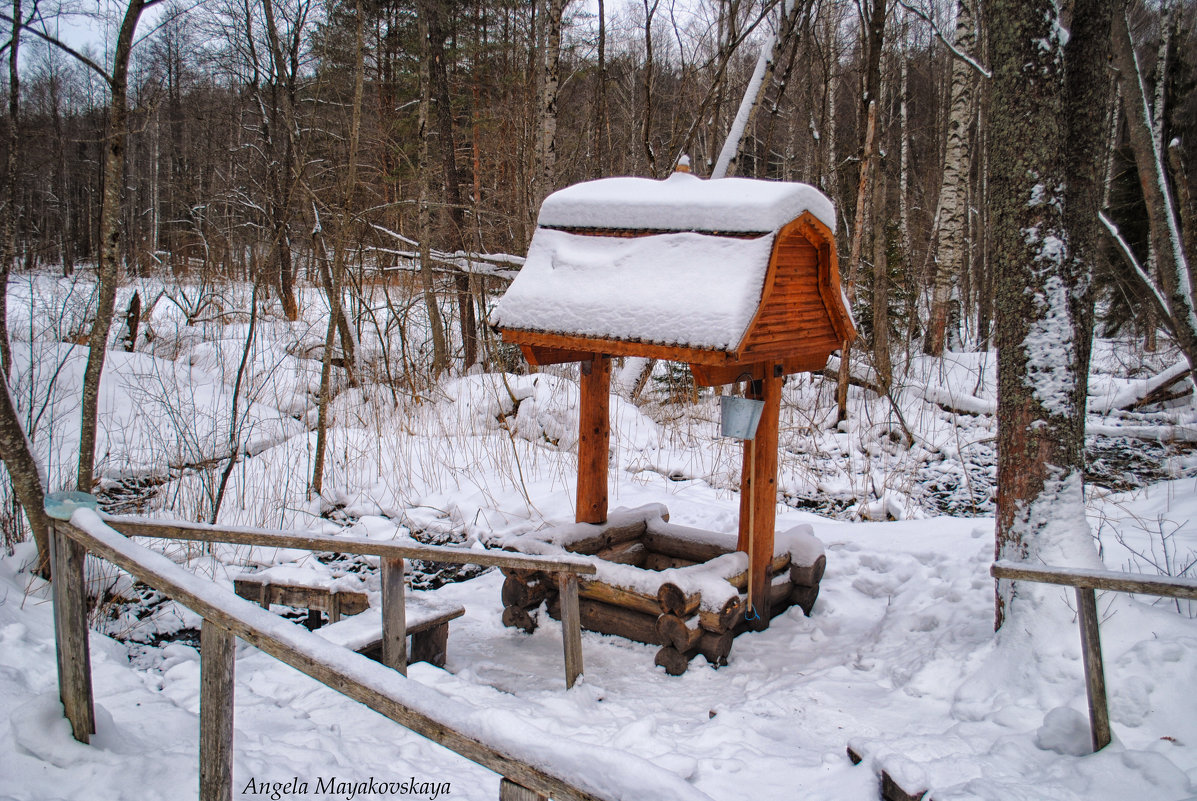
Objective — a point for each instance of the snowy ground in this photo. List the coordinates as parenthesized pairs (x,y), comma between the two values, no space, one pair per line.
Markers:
(898,659)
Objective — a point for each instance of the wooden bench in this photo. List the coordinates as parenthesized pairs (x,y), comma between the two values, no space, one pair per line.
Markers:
(336,603)
(427,628)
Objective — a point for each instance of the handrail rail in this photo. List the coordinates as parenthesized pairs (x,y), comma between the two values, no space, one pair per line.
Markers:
(1085,583)
(1166,586)
(525,763)
(135,527)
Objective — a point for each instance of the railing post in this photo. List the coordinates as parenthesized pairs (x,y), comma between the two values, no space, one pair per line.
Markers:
(217,665)
(70,633)
(510,791)
(334,606)
(394,616)
(1095,679)
(571,626)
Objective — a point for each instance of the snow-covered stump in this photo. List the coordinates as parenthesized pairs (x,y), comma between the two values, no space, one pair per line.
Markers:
(680,588)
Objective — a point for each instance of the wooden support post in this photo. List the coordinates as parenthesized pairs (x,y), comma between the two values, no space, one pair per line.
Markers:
(394,616)
(334,606)
(1095,679)
(594,439)
(431,645)
(71,633)
(758,494)
(510,791)
(218,657)
(571,626)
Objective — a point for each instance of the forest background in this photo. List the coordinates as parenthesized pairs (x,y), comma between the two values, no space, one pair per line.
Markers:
(393,156)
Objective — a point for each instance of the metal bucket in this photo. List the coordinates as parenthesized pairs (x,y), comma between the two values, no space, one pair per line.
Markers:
(739,416)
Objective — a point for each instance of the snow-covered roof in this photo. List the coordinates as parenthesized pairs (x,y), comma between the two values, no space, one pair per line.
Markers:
(679,289)
(684,202)
(691,277)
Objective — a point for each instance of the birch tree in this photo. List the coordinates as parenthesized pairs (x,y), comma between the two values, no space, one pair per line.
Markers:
(547,148)
(783,36)
(952,232)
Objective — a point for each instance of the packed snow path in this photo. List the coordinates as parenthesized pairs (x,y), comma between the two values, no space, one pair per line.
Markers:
(898,659)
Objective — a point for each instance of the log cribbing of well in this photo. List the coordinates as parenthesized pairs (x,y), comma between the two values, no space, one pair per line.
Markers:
(660,601)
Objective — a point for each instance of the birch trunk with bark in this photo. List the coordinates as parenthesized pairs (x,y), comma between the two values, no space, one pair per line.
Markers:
(952,233)
(548,109)
(763,80)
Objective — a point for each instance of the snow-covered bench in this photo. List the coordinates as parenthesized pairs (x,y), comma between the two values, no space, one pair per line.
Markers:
(427,627)
(304,589)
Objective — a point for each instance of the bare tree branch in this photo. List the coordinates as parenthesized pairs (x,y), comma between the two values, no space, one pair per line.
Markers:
(925,17)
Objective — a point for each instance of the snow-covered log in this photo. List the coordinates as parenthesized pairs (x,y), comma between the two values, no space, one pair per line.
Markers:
(1137,393)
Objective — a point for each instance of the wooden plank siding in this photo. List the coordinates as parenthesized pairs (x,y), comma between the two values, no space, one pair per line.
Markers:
(794,317)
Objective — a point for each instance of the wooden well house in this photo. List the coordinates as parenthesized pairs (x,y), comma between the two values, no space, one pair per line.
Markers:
(736,278)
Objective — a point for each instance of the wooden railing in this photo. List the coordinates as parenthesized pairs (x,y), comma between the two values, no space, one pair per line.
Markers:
(525,765)
(1086,582)
(394,630)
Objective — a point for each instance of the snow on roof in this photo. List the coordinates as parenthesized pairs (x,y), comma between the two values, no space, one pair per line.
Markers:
(684,202)
(675,289)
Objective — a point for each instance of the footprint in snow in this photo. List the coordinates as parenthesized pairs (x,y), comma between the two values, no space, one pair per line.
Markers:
(875,587)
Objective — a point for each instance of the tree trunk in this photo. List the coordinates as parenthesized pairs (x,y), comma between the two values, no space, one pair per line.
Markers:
(322,411)
(952,233)
(282,176)
(437,35)
(548,106)
(762,81)
(1040,512)
(904,163)
(110,243)
(862,200)
(874,40)
(600,103)
(336,283)
(646,127)
(1086,59)
(440,355)
(8,222)
(1174,276)
(28,481)
(881,228)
